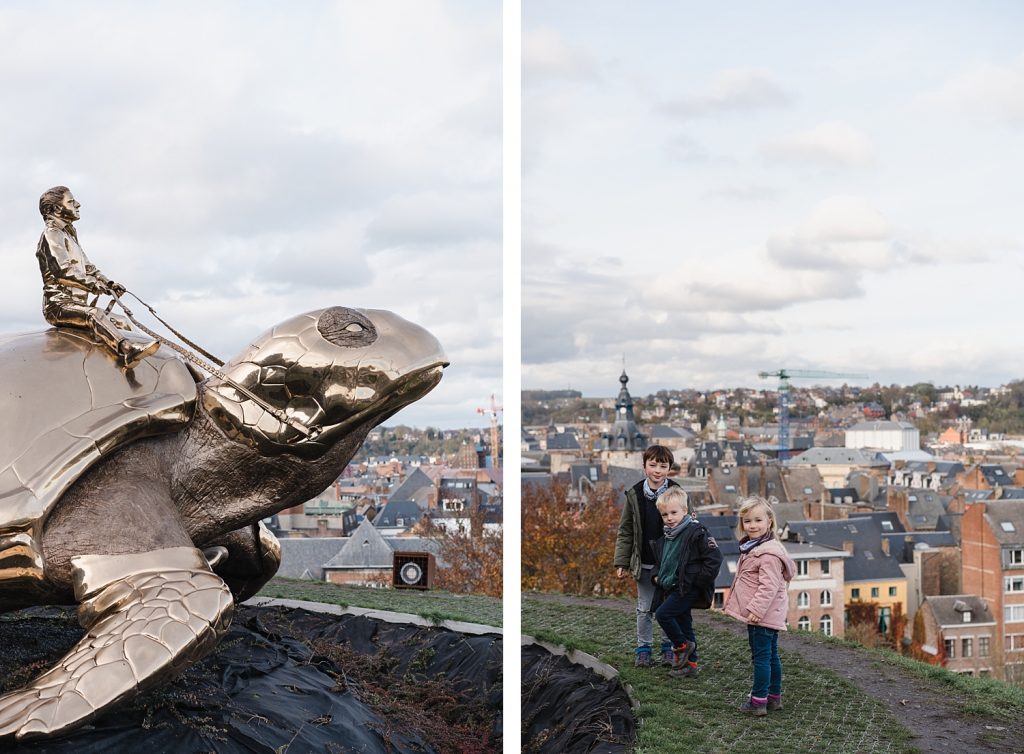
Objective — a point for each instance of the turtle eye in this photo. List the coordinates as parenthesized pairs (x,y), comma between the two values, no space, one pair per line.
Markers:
(346,327)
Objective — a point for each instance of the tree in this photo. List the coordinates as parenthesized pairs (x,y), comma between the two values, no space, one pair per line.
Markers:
(568,547)
(472,560)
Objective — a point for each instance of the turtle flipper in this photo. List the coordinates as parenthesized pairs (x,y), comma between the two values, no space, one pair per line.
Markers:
(146,615)
(253,557)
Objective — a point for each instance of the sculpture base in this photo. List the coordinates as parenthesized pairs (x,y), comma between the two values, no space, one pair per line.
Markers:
(287,680)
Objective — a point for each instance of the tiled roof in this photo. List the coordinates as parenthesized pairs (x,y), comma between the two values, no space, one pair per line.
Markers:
(304,557)
(869,562)
(949,609)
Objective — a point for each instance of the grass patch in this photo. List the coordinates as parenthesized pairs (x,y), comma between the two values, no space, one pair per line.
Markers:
(434,605)
(823,711)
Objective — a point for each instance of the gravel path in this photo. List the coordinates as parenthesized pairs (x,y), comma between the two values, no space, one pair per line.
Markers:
(937,721)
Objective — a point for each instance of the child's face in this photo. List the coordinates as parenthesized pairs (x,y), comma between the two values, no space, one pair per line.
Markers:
(671,513)
(756,522)
(657,472)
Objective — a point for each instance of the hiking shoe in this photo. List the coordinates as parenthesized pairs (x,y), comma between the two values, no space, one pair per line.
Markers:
(757,710)
(643,658)
(681,654)
(668,657)
(774,704)
(687,671)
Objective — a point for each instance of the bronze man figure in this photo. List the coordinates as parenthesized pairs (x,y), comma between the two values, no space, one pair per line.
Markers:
(69,277)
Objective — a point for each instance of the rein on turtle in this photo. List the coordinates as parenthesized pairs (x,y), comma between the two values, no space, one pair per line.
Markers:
(307,432)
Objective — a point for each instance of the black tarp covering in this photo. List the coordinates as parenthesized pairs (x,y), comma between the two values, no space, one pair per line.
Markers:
(570,709)
(279,682)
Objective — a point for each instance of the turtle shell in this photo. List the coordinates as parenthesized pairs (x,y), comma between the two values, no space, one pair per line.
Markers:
(67,404)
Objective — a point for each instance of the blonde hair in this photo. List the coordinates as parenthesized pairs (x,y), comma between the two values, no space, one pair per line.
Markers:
(748,504)
(674,494)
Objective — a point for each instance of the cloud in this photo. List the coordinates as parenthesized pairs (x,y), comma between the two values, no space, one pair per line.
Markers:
(987,91)
(548,57)
(733,90)
(774,290)
(841,232)
(431,218)
(834,144)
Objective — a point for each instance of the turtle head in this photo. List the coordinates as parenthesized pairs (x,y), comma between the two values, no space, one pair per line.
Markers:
(321,376)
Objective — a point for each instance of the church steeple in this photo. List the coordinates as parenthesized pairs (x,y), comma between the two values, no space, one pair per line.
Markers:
(624,434)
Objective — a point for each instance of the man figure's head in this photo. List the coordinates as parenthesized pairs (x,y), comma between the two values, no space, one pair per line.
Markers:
(60,203)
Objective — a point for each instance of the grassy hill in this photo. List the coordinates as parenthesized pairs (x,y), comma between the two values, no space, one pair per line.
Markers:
(892,705)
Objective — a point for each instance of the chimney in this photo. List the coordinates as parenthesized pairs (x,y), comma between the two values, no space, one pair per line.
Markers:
(742,486)
(848,546)
(885,545)
(897,501)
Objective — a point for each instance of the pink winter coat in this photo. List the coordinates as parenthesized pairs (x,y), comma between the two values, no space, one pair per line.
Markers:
(760,585)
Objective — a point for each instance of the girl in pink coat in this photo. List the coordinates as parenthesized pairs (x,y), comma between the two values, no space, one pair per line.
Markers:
(759,598)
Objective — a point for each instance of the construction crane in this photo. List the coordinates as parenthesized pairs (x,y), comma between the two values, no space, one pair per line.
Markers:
(785,375)
(493,410)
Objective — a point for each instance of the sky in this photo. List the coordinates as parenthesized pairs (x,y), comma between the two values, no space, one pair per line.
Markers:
(242,162)
(711,190)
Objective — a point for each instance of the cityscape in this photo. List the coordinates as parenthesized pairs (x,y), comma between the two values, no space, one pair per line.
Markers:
(903,507)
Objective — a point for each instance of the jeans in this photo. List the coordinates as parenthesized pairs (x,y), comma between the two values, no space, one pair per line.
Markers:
(676,620)
(764,652)
(645,590)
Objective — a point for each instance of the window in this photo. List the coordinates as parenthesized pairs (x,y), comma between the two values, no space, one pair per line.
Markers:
(967,616)
(1013,613)
(801,568)
(983,646)
(1013,584)
(887,526)
(967,648)
(826,625)
(951,649)
(855,594)
(808,491)
(826,567)
(884,613)
(826,597)
(804,624)
(1015,557)
(1007,526)
(1013,641)
(874,592)
(803,599)
(892,591)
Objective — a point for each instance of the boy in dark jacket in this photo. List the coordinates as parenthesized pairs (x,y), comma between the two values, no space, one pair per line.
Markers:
(639,525)
(688,562)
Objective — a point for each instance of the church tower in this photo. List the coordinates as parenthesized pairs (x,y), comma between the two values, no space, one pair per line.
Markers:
(623,433)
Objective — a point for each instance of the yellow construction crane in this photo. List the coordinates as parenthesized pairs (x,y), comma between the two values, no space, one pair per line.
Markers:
(495,447)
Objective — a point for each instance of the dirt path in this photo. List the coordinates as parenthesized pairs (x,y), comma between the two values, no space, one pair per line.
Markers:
(936,720)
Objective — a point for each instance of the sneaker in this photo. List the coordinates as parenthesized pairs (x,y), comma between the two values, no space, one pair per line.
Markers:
(689,670)
(681,654)
(757,710)
(643,657)
(774,704)
(668,657)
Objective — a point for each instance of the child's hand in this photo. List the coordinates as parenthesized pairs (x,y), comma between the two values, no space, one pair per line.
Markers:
(619,573)
(751,618)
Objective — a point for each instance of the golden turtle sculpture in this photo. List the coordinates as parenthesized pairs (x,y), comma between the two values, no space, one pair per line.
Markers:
(140,494)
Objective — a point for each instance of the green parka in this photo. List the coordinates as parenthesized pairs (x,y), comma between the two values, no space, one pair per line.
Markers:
(628,541)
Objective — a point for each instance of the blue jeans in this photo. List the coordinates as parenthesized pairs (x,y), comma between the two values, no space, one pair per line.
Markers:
(676,620)
(764,651)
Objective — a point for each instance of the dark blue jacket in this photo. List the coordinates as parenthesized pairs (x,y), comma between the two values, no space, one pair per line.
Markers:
(699,561)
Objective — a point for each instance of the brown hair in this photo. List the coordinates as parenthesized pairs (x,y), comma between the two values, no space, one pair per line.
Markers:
(660,454)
